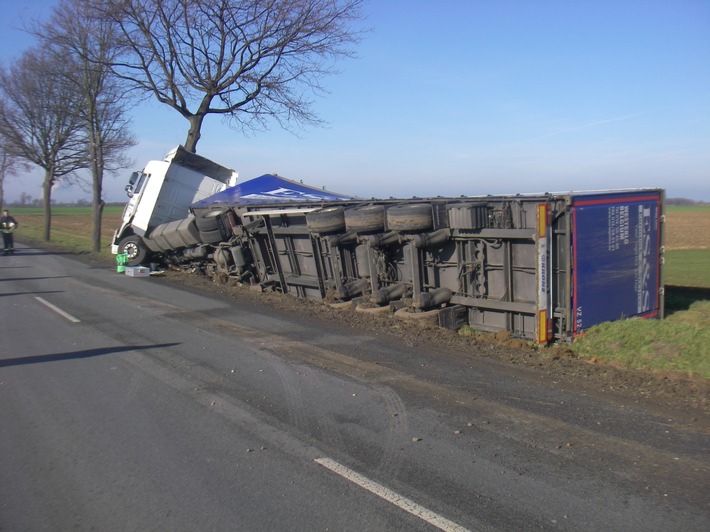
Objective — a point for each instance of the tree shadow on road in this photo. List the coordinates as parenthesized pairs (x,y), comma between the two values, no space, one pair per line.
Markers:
(31,293)
(34,252)
(36,278)
(88,353)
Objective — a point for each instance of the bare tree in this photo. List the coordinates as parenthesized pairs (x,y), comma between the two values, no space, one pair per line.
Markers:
(38,121)
(250,61)
(9,165)
(92,45)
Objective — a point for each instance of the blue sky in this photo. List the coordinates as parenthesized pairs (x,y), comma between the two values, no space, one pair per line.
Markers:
(455,97)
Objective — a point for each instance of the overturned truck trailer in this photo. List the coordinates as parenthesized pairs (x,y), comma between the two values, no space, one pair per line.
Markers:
(543,267)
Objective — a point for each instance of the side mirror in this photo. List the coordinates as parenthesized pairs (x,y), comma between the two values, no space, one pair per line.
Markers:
(134,177)
(129,190)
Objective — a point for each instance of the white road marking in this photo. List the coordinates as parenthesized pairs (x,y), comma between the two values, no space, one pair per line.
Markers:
(390,496)
(58,310)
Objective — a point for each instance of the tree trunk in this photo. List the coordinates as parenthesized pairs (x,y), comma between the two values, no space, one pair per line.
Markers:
(193,135)
(97,203)
(47,192)
(98,210)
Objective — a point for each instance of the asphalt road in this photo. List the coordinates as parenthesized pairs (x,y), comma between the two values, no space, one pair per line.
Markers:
(134,404)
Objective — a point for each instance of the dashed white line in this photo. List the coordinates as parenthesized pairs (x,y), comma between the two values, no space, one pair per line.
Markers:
(58,310)
(390,496)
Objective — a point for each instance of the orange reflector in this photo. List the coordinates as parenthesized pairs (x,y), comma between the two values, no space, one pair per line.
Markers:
(542,326)
(542,220)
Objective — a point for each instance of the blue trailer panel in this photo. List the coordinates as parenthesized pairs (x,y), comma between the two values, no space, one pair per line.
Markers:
(616,247)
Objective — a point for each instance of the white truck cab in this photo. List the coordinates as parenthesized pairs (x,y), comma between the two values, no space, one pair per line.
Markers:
(163,192)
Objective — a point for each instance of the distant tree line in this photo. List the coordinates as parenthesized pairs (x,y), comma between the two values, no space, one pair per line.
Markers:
(684,201)
(25,200)
(64,102)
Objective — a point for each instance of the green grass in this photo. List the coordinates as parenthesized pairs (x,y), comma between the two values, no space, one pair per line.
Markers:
(71,228)
(109,210)
(679,344)
(688,267)
(70,210)
(687,208)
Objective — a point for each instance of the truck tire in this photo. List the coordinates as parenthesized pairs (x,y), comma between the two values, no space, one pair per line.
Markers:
(211,237)
(134,248)
(367,219)
(427,319)
(211,227)
(326,220)
(410,217)
(207,221)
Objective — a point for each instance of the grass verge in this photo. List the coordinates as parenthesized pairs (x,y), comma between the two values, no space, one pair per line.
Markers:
(679,345)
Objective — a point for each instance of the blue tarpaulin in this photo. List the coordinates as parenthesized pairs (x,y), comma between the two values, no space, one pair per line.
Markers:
(269,189)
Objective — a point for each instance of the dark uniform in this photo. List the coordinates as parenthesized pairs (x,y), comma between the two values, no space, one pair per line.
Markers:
(8,225)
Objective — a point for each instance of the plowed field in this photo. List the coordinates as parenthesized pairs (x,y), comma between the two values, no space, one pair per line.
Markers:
(688,229)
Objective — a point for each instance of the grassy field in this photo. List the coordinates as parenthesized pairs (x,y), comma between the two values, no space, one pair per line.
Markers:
(679,344)
(71,228)
(688,267)
(688,246)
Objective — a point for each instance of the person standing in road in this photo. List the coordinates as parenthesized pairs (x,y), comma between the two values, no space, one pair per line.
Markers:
(7,225)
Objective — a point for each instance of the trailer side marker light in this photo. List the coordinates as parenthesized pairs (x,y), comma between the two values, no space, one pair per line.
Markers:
(542,326)
(542,220)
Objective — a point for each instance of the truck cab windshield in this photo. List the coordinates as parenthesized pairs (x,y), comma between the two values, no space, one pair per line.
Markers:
(135,183)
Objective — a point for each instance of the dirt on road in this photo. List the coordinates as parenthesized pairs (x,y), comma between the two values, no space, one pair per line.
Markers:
(556,364)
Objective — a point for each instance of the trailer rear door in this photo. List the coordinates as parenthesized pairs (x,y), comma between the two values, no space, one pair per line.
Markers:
(616,241)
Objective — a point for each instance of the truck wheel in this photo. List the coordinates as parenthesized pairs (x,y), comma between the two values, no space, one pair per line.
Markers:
(428,318)
(326,220)
(207,221)
(367,219)
(211,237)
(211,227)
(134,248)
(410,217)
